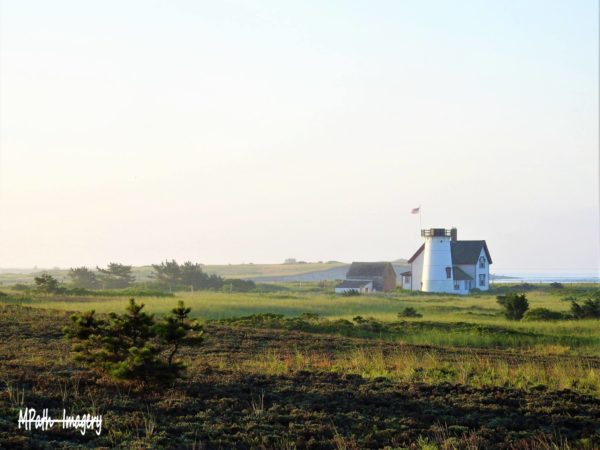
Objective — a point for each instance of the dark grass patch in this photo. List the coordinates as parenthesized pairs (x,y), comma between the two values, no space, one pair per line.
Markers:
(225,409)
(459,333)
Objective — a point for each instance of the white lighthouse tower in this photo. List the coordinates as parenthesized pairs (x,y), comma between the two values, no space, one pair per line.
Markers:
(437,260)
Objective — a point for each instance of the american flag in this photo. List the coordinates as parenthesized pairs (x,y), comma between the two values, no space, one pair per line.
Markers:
(415,210)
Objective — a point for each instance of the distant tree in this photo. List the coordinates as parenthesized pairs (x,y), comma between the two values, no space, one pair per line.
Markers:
(589,309)
(82,277)
(214,281)
(515,305)
(46,283)
(192,275)
(167,273)
(133,345)
(116,276)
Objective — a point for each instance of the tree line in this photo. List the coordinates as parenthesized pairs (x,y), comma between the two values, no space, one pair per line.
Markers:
(168,275)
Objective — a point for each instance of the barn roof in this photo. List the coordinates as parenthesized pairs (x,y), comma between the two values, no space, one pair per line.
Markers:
(467,252)
(368,269)
(353,284)
(460,274)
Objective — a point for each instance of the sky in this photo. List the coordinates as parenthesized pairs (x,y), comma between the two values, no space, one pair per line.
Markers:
(254,131)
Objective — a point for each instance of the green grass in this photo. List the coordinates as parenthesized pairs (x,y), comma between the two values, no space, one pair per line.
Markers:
(219,305)
(440,325)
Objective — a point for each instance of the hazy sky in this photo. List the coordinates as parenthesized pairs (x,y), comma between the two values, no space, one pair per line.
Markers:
(253,131)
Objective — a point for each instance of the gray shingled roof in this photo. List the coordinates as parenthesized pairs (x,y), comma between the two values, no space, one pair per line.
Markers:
(463,252)
(460,274)
(367,269)
(467,252)
(353,284)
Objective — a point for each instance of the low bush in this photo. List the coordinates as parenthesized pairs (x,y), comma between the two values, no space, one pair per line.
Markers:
(544,314)
(133,346)
(589,309)
(514,305)
(409,312)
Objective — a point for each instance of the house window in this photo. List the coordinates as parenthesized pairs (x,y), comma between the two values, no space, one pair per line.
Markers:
(448,272)
(482,262)
(456,286)
(481,280)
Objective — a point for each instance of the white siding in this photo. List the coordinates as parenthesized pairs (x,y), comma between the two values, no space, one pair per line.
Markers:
(417,272)
(463,287)
(485,271)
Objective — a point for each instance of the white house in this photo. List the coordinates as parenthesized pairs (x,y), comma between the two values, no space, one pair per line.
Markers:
(406,280)
(445,264)
(361,286)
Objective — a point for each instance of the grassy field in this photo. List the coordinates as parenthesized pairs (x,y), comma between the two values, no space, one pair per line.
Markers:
(271,376)
(477,319)
(296,298)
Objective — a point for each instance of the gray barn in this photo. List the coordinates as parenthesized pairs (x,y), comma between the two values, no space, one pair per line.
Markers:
(382,274)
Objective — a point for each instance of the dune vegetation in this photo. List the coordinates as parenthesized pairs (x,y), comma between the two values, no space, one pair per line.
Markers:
(295,366)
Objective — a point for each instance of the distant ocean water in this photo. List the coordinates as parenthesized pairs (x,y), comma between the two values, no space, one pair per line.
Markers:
(547,277)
